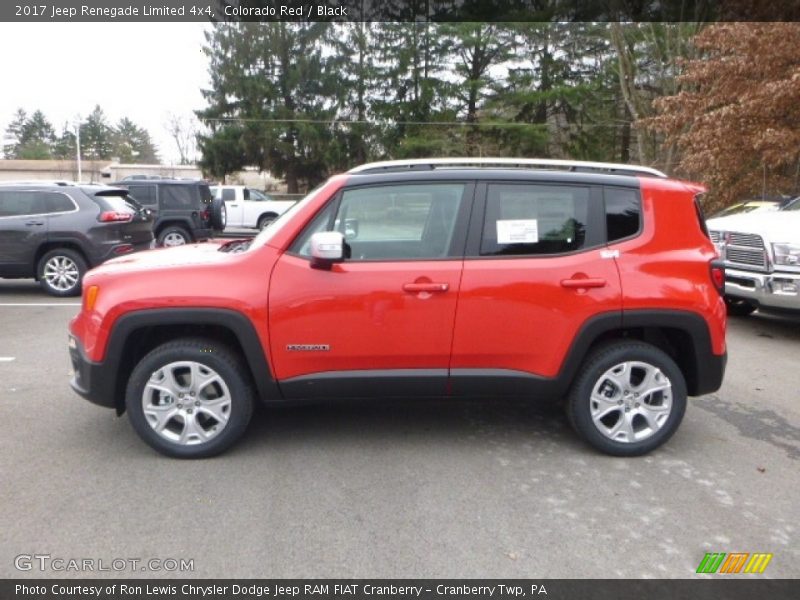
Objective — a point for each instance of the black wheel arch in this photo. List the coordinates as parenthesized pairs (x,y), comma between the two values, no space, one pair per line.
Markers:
(55,244)
(134,334)
(683,335)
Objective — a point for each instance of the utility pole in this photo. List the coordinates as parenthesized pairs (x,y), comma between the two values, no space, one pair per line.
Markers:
(78,147)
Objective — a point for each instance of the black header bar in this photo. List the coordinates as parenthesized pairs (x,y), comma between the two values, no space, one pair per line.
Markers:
(396,10)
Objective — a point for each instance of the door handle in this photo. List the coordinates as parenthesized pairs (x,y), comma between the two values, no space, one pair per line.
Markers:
(234,205)
(426,287)
(586,282)
(32,223)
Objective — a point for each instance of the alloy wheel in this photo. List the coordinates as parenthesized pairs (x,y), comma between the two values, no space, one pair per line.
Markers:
(61,273)
(186,403)
(631,401)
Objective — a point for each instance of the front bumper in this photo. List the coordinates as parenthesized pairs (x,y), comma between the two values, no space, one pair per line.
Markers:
(779,290)
(89,379)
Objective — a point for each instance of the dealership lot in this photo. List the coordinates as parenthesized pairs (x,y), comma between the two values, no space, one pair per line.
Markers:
(398,489)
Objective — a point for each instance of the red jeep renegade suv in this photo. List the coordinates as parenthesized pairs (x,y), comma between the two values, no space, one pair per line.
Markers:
(594,283)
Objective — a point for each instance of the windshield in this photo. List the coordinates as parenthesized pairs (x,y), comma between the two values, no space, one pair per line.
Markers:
(793,205)
(746,207)
(266,234)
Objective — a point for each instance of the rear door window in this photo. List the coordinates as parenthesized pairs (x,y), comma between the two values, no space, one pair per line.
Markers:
(22,203)
(535,219)
(228,195)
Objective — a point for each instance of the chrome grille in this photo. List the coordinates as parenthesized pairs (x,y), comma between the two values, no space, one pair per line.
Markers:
(752,258)
(748,240)
(741,249)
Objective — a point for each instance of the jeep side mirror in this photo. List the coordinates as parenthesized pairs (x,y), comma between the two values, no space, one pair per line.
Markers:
(327,247)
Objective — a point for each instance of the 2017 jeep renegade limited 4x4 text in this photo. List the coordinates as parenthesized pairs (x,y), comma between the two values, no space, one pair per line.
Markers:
(591,283)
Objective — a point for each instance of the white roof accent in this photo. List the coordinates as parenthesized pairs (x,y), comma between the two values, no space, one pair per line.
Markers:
(514,163)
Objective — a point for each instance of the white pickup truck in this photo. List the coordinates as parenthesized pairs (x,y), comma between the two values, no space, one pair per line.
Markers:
(761,251)
(250,208)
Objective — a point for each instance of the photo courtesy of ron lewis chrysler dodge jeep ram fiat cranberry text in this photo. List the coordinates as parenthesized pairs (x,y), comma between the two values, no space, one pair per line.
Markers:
(592,283)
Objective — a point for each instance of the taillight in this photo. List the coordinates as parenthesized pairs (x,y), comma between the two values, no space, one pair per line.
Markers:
(718,275)
(112,216)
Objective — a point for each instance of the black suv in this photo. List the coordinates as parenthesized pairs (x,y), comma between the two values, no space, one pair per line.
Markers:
(55,231)
(184,210)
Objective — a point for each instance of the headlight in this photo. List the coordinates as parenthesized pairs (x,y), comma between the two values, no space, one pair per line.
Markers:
(718,239)
(787,254)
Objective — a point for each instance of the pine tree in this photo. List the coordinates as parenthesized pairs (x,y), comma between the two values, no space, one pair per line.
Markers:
(132,144)
(96,141)
(274,81)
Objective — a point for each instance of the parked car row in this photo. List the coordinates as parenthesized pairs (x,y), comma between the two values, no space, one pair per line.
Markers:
(184,211)
(55,231)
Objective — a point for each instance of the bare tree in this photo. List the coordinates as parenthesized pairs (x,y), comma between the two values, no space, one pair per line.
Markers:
(183,130)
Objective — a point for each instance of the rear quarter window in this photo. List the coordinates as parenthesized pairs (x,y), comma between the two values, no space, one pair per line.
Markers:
(623,213)
(57,203)
(180,197)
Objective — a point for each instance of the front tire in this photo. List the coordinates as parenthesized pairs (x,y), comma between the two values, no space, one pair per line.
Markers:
(628,399)
(61,271)
(265,220)
(189,398)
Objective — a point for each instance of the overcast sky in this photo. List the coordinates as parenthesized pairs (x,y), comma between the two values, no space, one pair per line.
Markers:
(142,71)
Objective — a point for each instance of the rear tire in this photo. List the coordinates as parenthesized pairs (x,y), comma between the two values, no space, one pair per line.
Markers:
(189,398)
(739,308)
(628,398)
(60,272)
(173,235)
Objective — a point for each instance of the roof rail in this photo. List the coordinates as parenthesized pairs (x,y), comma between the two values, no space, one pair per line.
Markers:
(507,163)
(61,182)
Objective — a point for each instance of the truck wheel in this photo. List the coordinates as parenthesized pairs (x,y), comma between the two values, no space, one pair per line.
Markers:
(739,308)
(265,220)
(189,398)
(61,271)
(628,398)
(174,235)
(219,214)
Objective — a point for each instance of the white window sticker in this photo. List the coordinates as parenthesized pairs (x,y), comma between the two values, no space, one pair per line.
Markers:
(518,231)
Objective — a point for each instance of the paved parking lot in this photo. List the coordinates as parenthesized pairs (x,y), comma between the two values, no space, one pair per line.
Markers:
(401,489)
